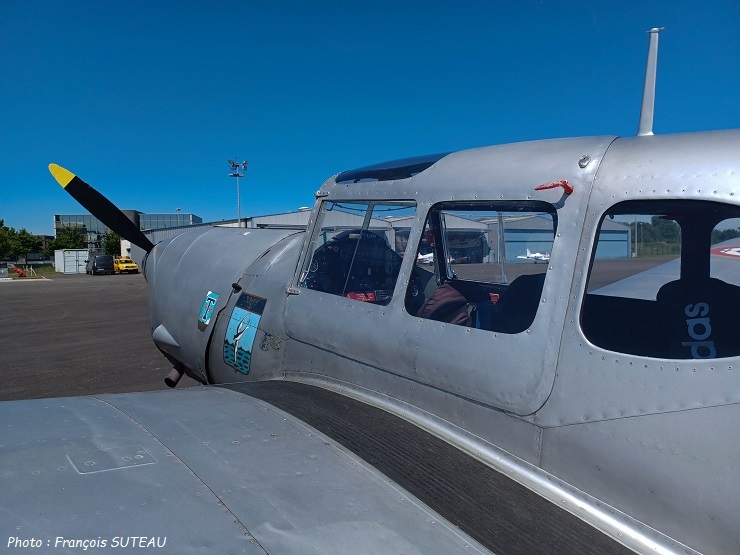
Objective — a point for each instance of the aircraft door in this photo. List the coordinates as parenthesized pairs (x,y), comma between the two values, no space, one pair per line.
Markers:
(471,313)
(346,295)
(480,302)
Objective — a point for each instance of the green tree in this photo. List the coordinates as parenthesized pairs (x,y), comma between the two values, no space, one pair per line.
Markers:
(665,230)
(67,238)
(15,244)
(5,235)
(658,230)
(719,235)
(23,243)
(112,243)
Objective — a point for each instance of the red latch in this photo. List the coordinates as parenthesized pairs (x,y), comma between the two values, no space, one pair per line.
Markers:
(562,183)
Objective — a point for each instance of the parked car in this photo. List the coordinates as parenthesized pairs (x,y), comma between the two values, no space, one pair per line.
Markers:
(99,264)
(123,264)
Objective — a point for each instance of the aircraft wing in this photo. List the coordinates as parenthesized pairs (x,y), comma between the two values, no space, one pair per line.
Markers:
(725,261)
(205,469)
(645,284)
(242,468)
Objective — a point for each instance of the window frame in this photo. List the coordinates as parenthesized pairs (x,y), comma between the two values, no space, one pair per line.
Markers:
(476,292)
(316,231)
(658,335)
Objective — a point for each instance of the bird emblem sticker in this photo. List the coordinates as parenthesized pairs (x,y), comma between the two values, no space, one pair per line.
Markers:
(240,333)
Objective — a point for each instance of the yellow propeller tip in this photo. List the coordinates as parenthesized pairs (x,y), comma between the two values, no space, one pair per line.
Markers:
(63,176)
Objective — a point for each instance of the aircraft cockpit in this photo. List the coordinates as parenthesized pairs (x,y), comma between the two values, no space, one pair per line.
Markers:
(352,254)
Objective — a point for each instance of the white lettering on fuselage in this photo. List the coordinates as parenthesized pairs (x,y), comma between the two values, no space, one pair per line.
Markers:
(700,329)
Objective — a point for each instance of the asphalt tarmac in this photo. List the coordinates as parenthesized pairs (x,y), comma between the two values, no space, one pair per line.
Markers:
(76,334)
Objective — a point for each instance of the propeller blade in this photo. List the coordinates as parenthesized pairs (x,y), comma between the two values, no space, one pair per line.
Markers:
(100,207)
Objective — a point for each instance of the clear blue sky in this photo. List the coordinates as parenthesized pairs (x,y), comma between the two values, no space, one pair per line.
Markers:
(147,100)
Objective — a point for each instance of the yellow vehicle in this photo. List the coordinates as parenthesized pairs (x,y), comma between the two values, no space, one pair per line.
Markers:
(123,264)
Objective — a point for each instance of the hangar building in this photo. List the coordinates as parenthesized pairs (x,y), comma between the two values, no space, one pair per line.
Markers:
(478,239)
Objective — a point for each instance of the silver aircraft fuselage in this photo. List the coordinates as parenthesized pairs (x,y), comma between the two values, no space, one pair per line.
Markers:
(620,406)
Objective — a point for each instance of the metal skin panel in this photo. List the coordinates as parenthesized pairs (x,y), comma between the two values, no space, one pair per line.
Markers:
(221,473)
(267,277)
(676,471)
(596,384)
(387,338)
(178,282)
(446,415)
(46,496)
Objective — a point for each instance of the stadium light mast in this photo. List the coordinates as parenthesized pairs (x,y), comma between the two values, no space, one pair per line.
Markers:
(237,170)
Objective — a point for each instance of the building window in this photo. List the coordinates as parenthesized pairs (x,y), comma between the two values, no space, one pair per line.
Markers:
(351,252)
(483,265)
(677,295)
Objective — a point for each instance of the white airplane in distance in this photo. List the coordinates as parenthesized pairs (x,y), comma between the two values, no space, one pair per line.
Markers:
(536,256)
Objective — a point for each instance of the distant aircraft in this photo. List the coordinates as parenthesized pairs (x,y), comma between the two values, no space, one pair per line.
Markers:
(380,405)
(425,258)
(536,256)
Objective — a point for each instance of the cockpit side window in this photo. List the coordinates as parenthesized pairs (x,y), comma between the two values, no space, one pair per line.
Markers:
(357,248)
(665,280)
(482,264)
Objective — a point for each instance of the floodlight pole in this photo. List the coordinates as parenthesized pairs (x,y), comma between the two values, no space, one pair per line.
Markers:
(237,170)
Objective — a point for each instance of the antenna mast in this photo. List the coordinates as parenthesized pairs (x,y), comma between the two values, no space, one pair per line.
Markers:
(647,109)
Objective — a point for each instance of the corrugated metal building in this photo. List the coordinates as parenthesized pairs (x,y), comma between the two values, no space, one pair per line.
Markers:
(70,261)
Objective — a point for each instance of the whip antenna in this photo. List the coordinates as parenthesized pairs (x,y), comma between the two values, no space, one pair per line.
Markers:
(647,109)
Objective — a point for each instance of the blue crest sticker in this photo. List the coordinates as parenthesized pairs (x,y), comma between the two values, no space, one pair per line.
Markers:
(206,311)
(240,333)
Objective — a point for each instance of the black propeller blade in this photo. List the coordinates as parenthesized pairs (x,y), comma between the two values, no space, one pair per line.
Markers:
(100,207)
